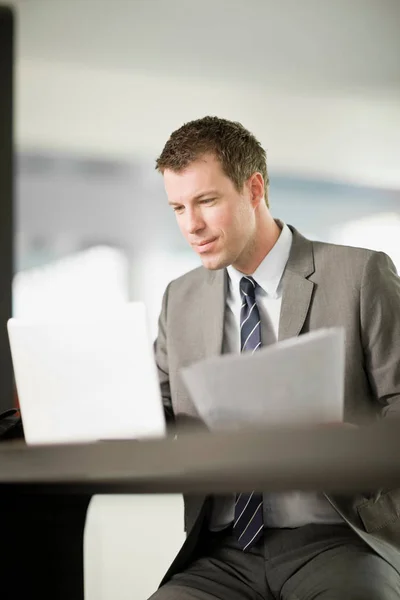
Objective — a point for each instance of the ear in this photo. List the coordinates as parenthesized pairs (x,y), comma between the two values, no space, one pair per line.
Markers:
(256,187)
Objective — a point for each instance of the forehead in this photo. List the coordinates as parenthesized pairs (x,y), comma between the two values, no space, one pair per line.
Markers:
(202,174)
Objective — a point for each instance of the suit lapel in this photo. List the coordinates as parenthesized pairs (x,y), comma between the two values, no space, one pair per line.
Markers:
(213,312)
(297,289)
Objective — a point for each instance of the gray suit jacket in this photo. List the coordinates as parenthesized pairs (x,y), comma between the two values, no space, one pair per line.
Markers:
(324,285)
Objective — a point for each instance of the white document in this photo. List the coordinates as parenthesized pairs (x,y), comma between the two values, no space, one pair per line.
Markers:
(296,381)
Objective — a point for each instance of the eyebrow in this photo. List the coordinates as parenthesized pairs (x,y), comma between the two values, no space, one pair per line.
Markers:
(209,194)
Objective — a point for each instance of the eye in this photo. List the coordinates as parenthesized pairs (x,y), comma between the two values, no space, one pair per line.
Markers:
(207,201)
(178,208)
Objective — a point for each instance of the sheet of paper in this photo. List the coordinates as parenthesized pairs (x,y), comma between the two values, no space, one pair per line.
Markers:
(296,381)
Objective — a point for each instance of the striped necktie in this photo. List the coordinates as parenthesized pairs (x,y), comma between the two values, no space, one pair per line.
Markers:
(248,520)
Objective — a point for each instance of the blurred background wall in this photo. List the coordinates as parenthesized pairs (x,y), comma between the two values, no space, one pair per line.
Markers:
(100,86)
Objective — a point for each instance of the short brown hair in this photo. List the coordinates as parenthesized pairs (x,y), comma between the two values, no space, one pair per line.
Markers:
(239,152)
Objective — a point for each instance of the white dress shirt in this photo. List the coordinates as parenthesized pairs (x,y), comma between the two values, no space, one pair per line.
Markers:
(292,509)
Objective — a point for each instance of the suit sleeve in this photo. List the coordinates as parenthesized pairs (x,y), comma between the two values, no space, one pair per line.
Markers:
(380,326)
(161,357)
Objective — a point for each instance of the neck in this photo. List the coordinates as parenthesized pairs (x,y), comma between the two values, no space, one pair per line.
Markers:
(265,238)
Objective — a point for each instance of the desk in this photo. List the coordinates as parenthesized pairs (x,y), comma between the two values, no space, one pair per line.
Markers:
(45,491)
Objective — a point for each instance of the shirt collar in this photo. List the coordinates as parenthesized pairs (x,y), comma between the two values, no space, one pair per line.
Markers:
(269,273)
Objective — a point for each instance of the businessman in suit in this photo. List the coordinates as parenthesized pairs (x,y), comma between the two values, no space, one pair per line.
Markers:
(262,281)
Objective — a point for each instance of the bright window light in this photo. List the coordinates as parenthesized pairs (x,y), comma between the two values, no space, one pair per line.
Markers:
(96,279)
(379,232)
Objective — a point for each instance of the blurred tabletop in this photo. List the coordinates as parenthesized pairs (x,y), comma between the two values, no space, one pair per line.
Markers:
(330,458)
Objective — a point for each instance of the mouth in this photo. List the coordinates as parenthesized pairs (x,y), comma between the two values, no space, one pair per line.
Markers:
(205,246)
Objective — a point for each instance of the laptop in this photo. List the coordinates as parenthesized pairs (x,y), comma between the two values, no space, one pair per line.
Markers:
(87,378)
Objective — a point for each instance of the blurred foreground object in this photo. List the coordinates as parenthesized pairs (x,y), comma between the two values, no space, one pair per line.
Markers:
(335,459)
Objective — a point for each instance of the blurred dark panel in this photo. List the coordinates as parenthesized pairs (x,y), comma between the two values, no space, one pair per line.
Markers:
(6,200)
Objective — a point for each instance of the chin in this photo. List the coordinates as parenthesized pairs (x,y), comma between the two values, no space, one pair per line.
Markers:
(214,263)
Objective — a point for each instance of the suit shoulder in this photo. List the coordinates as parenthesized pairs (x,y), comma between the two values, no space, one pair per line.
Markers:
(350,254)
(350,262)
(189,280)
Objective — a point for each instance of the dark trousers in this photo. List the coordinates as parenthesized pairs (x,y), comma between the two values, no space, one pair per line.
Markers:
(322,562)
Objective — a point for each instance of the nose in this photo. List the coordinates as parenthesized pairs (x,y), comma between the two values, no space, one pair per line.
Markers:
(194,222)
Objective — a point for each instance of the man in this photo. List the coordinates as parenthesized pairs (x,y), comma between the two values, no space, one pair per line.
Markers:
(260,282)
